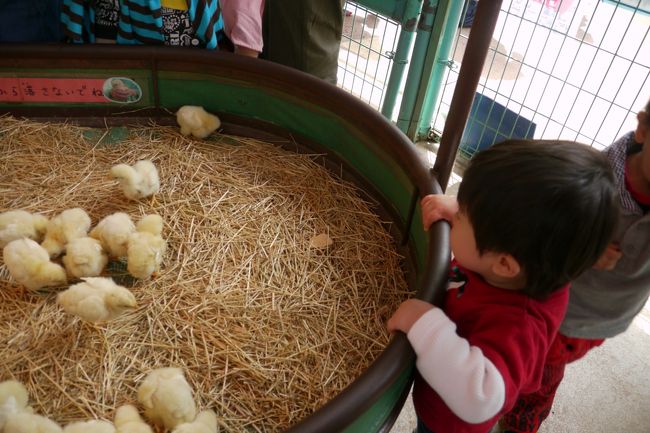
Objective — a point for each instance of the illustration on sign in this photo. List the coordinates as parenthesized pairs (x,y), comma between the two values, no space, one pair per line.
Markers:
(121,89)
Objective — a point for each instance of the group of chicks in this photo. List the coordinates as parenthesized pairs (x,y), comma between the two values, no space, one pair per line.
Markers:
(87,252)
(165,395)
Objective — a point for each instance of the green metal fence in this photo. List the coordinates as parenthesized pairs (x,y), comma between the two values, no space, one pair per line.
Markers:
(375,50)
(570,69)
(394,53)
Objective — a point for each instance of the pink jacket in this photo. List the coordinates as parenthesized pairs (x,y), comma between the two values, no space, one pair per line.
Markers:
(243,22)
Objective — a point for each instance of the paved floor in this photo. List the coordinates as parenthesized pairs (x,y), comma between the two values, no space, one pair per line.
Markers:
(607,391)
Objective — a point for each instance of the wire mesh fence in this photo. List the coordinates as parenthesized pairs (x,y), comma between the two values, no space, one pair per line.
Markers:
(367,49)
(569,69)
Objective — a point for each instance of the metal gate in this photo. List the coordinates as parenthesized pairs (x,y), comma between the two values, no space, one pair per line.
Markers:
(569,69)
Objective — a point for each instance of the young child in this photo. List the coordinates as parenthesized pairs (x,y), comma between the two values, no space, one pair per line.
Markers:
(604,300)
(193,23)
(530,216)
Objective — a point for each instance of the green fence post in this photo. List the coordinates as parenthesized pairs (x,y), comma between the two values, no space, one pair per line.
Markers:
(408,20)
(448,22)
(415,71)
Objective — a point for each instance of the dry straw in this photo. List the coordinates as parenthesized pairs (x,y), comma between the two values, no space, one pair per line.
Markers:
(266,328)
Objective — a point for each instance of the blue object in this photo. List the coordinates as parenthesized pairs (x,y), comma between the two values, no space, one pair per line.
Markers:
(470,13)
(490,122)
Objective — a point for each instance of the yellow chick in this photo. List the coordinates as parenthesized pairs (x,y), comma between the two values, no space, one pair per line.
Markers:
(17,224)
(63,228)
(196,121)
(128,420)
(29,264)
(92,426)
(84,257)
(138,181)
(97,299)
(13,399)
(113,232)
(146,247)
(205,422)
(30,423)
(167,397)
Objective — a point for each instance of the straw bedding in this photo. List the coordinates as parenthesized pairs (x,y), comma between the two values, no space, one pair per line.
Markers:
(266,328)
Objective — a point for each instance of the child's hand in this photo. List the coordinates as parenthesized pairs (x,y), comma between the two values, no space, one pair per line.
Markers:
(438,207)
(609,258)
(407,314)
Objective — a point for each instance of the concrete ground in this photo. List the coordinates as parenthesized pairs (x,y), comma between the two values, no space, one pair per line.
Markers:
(607,391)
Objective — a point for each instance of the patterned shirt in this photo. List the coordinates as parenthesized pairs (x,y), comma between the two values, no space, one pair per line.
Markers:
(604,303)
(143,22)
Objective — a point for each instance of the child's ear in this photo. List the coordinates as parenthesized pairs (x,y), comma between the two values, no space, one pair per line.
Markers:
(506,266)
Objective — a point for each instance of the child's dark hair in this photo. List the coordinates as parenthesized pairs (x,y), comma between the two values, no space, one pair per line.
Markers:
(550,204)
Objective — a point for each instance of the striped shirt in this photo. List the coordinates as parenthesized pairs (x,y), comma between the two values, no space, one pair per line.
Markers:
(140,21)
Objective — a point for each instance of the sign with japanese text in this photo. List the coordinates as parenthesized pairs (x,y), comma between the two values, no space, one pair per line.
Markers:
(78,90)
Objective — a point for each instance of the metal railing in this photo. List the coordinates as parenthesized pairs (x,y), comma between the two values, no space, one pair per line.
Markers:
(570,69)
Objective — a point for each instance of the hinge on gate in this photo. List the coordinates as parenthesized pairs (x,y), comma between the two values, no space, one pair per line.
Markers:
(450,63)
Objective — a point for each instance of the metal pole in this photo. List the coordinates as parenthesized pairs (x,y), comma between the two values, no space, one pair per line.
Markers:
(446,27)
(478,44)
(402,53)
(414,76)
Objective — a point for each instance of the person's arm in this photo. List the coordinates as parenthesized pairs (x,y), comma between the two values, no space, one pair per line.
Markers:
(467,381)
(436,207)
(243,25)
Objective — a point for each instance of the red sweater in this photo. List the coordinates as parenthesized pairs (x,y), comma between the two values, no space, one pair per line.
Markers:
(481,353)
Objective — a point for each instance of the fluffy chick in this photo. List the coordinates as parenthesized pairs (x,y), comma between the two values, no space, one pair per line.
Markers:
(13,399)
(30,423)
(196,121)
(167,397)
(205,422)
(17,224)
(128,420)
(92,426)
(84,257)
(97,299)
(138,181)
(146,247)
(63,228)
(151,223)
(29,264)
(113,232)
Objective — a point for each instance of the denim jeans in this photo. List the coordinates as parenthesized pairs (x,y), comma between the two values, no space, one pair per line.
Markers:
(30,21)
